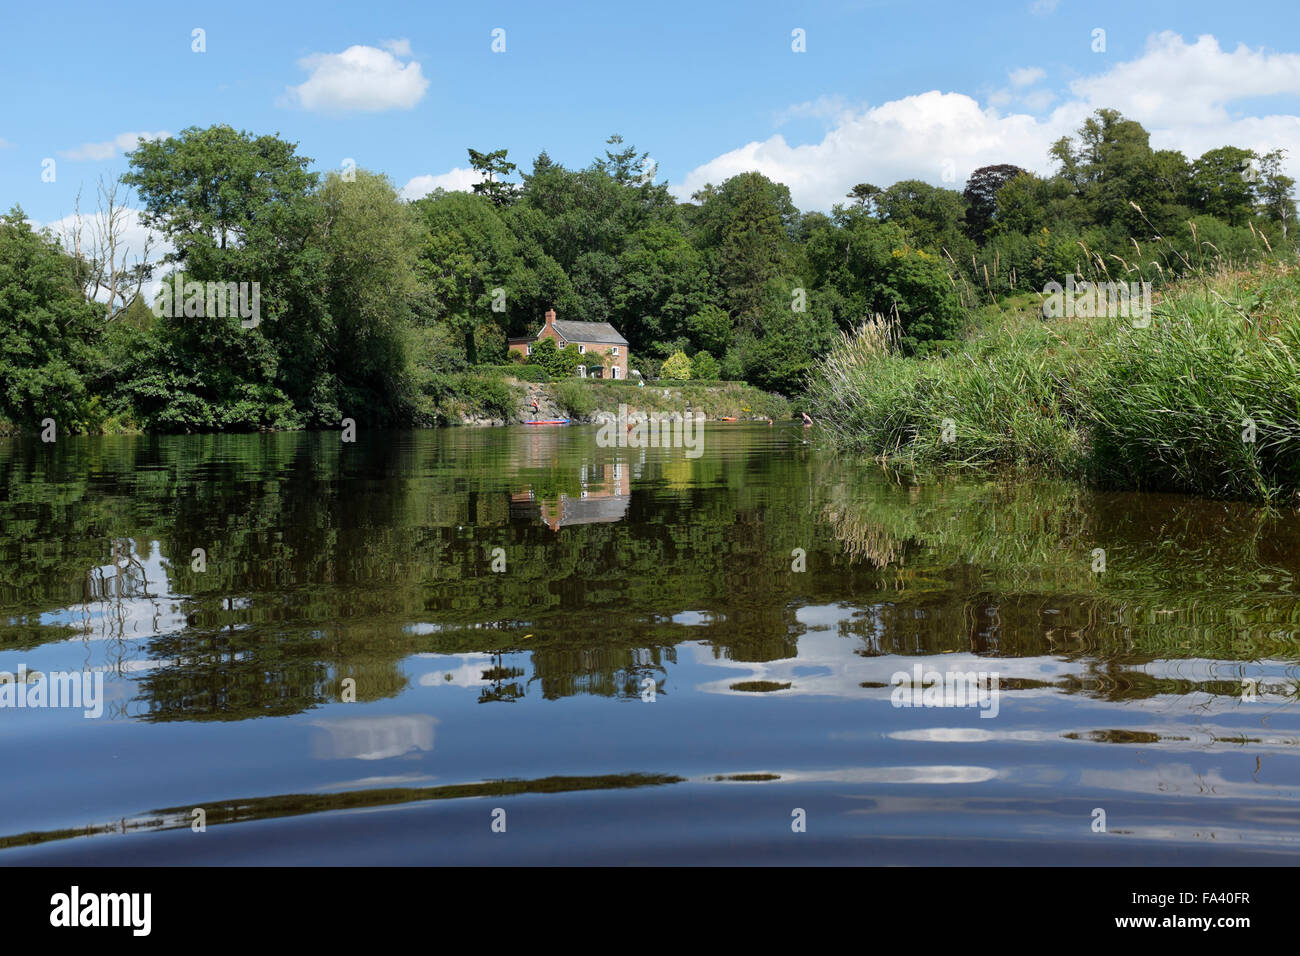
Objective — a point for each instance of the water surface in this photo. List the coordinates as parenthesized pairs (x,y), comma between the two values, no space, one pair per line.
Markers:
(642,673)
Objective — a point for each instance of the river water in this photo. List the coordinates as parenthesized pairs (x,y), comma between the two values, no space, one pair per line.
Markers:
(516,646)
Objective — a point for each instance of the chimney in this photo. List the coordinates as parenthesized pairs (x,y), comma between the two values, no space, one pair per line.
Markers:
(550,317)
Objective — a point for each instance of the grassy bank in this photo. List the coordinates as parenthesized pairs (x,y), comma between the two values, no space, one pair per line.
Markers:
(1205,399)
(501,396)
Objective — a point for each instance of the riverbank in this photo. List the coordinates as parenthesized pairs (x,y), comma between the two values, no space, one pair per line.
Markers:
(487,398)
(508,400)
(1204,398)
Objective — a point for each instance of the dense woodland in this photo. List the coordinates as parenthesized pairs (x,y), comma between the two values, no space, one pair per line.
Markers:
(383,310)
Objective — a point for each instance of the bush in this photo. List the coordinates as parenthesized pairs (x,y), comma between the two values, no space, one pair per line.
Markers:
(531,373)
(704,366)
(677,367)
(575,397)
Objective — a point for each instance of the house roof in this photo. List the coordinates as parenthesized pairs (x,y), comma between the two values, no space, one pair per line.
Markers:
(596,333)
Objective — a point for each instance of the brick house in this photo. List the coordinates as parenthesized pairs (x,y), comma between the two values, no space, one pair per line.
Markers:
(604,351)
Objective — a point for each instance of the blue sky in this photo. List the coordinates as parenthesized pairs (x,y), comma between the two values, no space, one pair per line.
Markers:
(884,90)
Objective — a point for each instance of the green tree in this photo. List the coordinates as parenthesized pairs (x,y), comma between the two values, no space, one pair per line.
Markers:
(704,366)
(494,167)
(1275,190)
(1223,184)
(981,195)
(47,330)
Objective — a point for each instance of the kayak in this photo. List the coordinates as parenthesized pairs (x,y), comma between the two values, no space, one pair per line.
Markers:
(549,421)
(727,419)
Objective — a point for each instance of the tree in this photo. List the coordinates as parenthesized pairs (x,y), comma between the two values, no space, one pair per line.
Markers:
(624,167)
(236,208)
(932,216)
(495,167)
(213,191)
(745,228)
(111,272)
(1275,190)
(981,195)
(1223,184)
(369,239)
(704,366)
(864,197)
(46,330)
(710,329)
(661,281)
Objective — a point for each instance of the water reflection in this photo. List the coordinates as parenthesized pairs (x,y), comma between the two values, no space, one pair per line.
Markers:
(372,564)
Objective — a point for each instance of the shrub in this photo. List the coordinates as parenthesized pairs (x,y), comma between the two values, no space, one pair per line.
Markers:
(704,366)
(575,397)
(676,367)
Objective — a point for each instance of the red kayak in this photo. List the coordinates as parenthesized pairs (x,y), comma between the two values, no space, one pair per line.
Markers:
(549,421)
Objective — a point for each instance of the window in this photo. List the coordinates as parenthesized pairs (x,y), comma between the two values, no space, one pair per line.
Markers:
(613,372)
(613,350)
(582,350)
(528,349)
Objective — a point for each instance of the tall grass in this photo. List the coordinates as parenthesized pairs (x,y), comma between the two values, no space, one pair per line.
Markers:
(1206,399)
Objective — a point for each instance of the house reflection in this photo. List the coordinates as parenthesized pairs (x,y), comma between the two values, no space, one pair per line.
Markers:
(604,490)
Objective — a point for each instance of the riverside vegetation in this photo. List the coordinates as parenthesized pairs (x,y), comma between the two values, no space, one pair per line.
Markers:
(397,313)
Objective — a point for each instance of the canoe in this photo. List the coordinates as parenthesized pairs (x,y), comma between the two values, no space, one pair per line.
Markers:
(727,419)
(549,421)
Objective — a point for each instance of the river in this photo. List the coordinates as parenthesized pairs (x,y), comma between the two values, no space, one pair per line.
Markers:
(513,645)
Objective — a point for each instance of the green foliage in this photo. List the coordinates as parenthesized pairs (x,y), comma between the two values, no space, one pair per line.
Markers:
(371,307)
(704,366)
(531,373)
(557,362)
(48,332)
(575,397)
(1202,400)
(677,367)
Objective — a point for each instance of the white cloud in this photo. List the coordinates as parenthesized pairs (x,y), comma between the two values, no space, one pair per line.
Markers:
(1181,93)
(122,142)
(1026,76)
(361,78)
(824,107)
(458,180)
(911,138)
(1177,83)
(1038,100)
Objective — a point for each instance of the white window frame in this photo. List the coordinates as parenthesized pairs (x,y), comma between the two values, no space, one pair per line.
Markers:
(582,349)
(613,350)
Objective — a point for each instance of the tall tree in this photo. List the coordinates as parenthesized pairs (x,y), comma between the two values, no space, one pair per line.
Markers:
(981,194)
(495,167)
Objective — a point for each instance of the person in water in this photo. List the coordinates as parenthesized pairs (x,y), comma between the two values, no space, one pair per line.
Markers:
(806,420)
